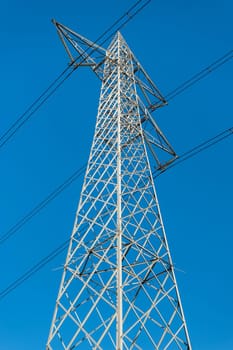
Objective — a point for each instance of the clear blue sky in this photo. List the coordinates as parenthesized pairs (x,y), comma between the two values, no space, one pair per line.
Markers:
(173,40)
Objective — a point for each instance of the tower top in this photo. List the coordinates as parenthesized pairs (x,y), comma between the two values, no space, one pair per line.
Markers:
(84,52)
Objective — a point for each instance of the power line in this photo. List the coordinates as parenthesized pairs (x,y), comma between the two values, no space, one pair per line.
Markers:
(38,266)
(17,121)
(23,121)
(42,204)
(197,149)
(56,84)
(200,75)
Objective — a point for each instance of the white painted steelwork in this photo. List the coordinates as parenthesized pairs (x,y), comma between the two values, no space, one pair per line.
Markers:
(118,289)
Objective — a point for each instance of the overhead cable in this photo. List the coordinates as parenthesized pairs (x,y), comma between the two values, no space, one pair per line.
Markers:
(15,228)
(197,149)
(35,268)
(200,75)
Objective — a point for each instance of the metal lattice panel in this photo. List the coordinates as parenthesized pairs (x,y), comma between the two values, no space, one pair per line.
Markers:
(118,289)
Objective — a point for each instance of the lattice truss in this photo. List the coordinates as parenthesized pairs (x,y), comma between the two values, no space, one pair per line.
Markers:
(118,289)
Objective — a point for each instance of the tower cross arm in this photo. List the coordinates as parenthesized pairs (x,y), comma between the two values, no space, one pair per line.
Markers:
(153,98)
(89,53)
(93,55)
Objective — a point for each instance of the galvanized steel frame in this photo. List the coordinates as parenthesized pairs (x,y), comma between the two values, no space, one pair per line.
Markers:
(118,289)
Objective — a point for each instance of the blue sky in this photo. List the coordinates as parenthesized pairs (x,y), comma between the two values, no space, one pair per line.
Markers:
(173,40)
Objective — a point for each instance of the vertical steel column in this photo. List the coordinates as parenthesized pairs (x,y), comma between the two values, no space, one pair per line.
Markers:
(119,324)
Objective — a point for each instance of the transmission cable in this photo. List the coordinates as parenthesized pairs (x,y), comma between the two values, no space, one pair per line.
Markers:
(42,204)
(56,84)
(195,150)
(200,75)
(38,266)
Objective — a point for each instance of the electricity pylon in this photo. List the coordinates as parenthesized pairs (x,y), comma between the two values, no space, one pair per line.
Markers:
(118,289)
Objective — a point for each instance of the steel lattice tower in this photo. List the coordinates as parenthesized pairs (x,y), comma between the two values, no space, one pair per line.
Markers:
(118,289)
